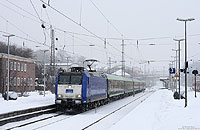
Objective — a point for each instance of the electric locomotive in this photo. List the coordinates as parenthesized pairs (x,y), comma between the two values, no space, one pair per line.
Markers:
(79,89)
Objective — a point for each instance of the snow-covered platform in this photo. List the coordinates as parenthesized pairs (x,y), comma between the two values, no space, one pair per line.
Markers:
(162,112)
(33,100)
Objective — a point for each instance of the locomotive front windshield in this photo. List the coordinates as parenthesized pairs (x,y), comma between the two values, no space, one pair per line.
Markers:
(70,79)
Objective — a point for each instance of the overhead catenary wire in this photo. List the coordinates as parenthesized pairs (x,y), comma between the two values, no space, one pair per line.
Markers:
(43,28)
(36,11)
(108,21)
(87,35)
(135,38)
(21,8)
(17,28)
(106,18)
(23,38)
(40,43)
(18,12)
(90,43)
(77,24)
(72,20)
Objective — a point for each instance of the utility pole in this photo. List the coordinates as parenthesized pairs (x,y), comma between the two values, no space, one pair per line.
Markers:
(44,71)
(123,60)
(110,62)
(52,61)
(68,60)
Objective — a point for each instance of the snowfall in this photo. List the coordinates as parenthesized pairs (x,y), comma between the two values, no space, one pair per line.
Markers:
(160,111)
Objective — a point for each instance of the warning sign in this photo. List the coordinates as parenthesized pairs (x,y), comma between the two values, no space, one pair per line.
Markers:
(176,75)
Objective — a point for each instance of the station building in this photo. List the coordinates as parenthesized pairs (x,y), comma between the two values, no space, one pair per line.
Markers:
(22,73)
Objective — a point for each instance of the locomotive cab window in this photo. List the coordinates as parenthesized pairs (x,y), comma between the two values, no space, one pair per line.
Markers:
(76,79)
(64,79)
(70,79)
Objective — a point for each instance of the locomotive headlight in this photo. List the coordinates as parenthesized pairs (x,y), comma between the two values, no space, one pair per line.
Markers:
(78,96)
(70,86)
(59,96)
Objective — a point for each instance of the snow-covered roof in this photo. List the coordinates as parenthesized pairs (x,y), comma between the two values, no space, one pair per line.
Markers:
(18,58)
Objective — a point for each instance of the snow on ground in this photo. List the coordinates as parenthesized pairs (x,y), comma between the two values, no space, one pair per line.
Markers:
(162,112)
(158,112)
(64,122)
(33,100)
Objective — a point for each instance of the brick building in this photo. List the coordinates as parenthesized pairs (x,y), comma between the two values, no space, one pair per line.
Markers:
(22,73)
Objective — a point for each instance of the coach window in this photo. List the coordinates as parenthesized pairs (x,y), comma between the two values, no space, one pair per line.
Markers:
(18,66)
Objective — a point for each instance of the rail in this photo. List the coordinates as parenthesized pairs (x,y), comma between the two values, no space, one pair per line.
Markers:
(25,114)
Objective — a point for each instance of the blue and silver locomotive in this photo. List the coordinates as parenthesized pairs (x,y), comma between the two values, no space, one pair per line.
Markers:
(81,89)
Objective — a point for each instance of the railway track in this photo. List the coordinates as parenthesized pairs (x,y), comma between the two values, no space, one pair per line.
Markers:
(67,117)
(102,118)
(25,114)
(35,121)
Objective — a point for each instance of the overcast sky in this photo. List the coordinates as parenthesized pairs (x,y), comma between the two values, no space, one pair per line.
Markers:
(145,21)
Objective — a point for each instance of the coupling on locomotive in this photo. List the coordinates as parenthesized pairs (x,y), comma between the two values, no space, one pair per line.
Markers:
(81,89)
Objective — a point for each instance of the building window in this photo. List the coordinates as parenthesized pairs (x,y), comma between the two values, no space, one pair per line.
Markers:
(25,82)
(15,64)
(18,81)
(14,81)
(22,82)
(22,66)
(25,67)
(28,82)
(31,82)
(11,81)
(18,66)
(11,66)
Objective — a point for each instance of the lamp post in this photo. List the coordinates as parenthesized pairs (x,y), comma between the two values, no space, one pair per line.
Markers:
(179,65)
(8,81)
(44,71)
(186,63)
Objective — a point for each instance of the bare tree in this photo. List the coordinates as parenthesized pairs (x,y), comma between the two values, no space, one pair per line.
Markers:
(14,50)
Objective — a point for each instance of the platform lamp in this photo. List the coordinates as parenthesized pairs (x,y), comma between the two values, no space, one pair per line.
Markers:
(186,63)
(8,81)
